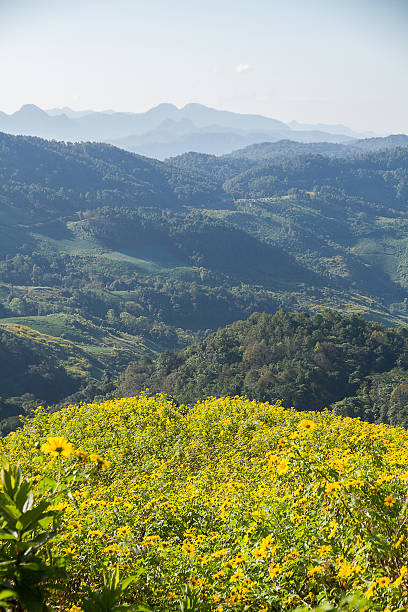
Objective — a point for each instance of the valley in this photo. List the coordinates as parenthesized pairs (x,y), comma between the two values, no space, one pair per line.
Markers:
(117,257)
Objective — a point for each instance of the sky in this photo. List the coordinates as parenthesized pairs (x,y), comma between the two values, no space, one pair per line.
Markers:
(326,61)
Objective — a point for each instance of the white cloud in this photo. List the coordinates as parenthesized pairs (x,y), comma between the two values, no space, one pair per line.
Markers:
(241,68)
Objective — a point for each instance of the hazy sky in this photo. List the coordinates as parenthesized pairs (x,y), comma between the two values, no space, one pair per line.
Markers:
(332,61)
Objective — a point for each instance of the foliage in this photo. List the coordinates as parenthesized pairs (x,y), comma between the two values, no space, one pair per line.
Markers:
(39,368)
(112,592)
(255,506)
(39,177)
(286,149)
(26,577)
(359,367)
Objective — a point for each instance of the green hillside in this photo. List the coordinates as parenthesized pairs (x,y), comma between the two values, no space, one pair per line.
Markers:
(333,360)
(58,358)
(286,149)
(40,178)
(113,251)
(38,368)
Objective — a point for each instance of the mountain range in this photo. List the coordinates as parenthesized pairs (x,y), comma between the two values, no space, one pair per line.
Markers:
(165,130)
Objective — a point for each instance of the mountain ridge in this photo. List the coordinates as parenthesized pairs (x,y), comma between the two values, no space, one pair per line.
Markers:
(136,131)
(122,254)
(285,149)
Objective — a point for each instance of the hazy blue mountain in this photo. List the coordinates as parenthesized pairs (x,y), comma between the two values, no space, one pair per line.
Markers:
(30,119)
(174,137)
(103,125)
(204,116)
(337,128)
(160,132)
(66,110)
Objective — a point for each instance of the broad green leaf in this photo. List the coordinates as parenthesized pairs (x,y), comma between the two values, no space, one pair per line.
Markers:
(34,514)
(46,484)
(6,593)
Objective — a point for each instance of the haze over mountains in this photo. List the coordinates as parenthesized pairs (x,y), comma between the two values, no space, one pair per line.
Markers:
(165,130)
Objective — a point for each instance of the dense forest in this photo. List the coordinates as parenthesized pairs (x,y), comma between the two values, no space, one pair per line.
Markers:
(286,149)
(328,360)
(117,257)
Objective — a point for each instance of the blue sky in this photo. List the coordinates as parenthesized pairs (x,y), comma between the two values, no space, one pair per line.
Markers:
(332,61)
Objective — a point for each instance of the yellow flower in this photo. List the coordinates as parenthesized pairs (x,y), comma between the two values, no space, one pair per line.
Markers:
(399,541)
(397,582)
(324,550)
(60,506)
(96,532)
(307,425)
(81,455)
(283,467)
(348,569)
(370,591)
(103,463)
(383,582)
(151,540)
(389,501)
(58,446)
(334,525)
(239,575)
(189,548)
(274,570)
(332,487)
(113,548)
(318,569)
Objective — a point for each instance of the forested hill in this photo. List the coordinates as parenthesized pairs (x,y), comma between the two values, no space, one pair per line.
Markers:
(39,178)
(285,149)
(123,256)
(326,360)
(380,177)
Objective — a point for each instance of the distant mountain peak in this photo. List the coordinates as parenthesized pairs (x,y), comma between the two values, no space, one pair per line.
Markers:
(30,109)
(167,130)
(163,106)
(196,105)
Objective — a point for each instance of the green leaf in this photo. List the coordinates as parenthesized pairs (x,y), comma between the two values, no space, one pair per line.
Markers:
(133,608)
(39,540)
(30,598)
(8,534)
(34,514)
(10,512)
(5,565)
(28,504)
(131,579)
(46,484)
(6,593)
(22,495)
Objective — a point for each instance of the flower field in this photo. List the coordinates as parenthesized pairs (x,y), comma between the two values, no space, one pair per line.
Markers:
(256,506)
